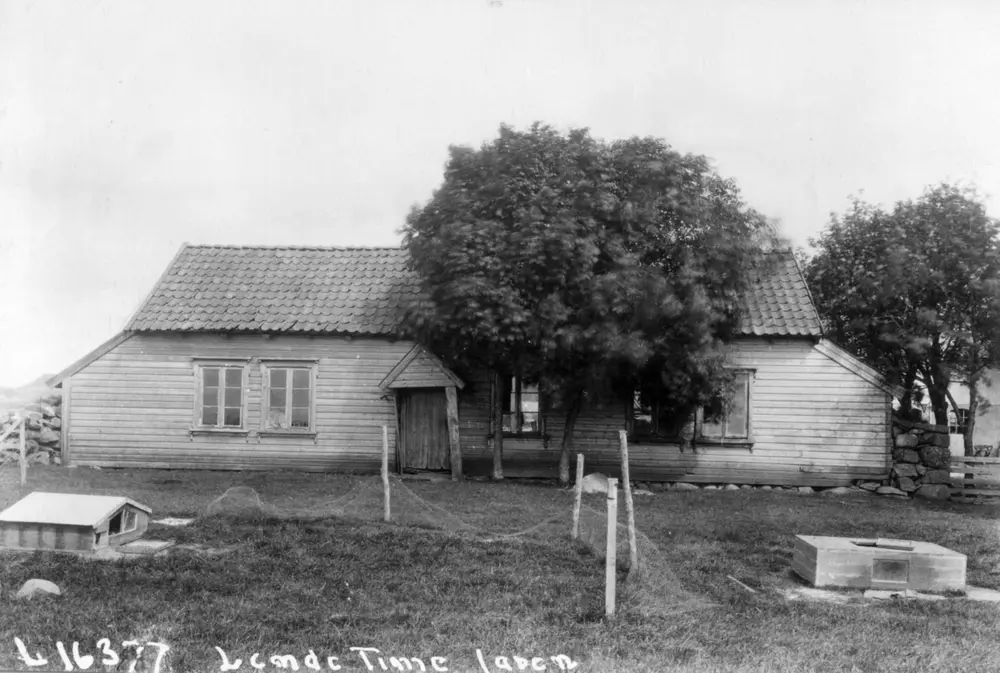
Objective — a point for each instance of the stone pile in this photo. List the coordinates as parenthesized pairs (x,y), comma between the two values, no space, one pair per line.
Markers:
(921,462)
(42,436)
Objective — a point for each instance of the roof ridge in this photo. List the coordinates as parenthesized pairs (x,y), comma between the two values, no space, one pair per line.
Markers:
(232,246)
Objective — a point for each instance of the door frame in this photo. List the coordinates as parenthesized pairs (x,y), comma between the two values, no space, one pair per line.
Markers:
(453,424)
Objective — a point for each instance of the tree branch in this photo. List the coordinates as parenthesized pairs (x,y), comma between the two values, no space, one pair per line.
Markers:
(952,402)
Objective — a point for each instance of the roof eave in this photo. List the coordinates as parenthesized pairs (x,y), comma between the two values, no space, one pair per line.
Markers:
(854,364)
(57,380)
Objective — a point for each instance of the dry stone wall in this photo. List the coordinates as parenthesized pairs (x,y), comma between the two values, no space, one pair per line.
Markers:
(921,462)
(42,436)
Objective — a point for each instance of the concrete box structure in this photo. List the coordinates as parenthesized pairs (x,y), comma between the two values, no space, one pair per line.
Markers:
(69,522)
(878,564)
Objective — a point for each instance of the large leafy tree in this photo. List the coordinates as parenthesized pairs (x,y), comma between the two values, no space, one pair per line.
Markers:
(915,290)
(590,268)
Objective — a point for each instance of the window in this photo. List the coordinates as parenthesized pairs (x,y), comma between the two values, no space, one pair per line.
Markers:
(727,417)
(648,418)
(220,402)
(959,421)
(124,521)
(289,398)
(520,407)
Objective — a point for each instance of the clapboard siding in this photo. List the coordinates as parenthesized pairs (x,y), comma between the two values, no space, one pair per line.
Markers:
(134,406)
(814,423)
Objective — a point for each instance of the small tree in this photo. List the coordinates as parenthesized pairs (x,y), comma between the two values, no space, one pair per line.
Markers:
(590,267)
(914,290)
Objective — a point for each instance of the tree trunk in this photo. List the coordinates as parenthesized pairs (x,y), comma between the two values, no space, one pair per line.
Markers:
(909,378)
(937,380)
(970,427)
(497,426)
(939,404)
(937,384)
(567,440)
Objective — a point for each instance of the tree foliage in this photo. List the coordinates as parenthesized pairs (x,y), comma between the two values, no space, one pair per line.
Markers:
(588,267)
(914,290)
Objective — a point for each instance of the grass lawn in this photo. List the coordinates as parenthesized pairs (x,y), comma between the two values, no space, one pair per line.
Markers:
(302,582)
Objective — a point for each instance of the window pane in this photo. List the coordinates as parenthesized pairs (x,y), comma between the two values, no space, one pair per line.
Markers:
(510,404)
(714,411)
(713,418)
(234,397)
(276,419)
(736,418)
(507,423)
(711,429)
(300,378)
(234,377)
(210,376)
(210,416)
(300,397)
(210,397)
(529,422)
(232,417)
(529,398)
(642,425)
(642,415)
(300,417)
(278,378)
(276,401)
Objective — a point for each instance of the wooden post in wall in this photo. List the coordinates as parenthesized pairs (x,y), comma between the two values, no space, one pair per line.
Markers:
(385,470)
(633,552)
(454,444)
(611,556)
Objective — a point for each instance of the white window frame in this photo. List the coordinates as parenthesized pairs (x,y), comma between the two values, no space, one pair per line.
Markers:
(266,367)
(958,420)
(125,516)
(199,397)
(129,515)
(516,389)
(727,437)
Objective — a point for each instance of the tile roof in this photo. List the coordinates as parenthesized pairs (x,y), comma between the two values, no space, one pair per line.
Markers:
(779,303)
(362,291)
(356,291)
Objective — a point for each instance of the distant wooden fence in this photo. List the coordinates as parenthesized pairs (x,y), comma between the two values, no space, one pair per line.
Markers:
(973,477)
(19,427)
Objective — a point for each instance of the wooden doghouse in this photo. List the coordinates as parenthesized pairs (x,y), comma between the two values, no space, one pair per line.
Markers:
(69,522)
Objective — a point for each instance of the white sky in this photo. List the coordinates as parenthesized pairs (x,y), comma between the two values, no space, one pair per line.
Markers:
(129,127)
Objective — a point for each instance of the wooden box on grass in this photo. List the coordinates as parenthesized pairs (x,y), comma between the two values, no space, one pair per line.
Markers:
(70,522)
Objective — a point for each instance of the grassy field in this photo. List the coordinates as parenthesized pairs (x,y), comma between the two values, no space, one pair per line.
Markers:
(304,582)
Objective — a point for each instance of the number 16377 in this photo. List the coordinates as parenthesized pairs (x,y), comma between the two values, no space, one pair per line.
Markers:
(73,660)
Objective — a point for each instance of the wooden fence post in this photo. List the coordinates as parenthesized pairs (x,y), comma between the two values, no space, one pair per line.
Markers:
(385,469)
(24,454)
(578,496)
(611,557)
(633,552)
(454,444)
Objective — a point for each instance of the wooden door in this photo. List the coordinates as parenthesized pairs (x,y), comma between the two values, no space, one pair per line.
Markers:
(423,429)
